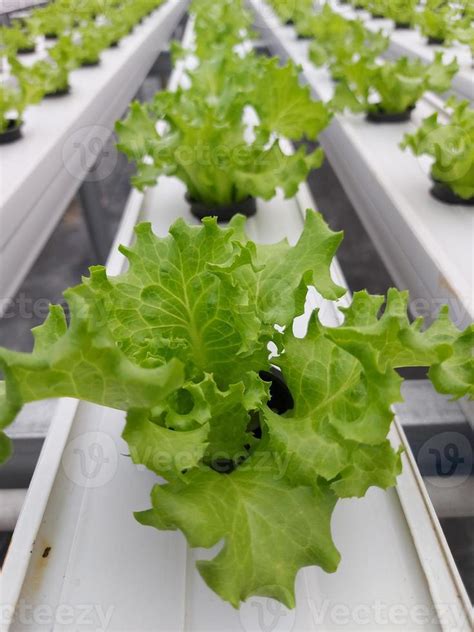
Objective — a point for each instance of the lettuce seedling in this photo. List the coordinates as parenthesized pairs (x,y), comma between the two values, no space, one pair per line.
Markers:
(48,76)
(81,47)
(179,341)
(435,20)
(391,87)
(219,24)
(205,139)
(463,32)
(451,145)
(402,11)
(15,95)
(339,42)
(50,21)
(291,11)
(15,39)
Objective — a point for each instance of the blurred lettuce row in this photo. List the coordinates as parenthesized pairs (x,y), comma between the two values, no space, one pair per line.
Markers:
(81,33)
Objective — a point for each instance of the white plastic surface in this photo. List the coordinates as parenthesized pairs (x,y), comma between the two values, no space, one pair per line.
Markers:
(63,138)
(427,246)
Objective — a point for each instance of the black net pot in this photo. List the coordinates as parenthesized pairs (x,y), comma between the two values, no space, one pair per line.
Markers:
(61,92)
(436,41)
(224,213)
(90,64)
(11,134)
(280,402)
(442,192)
(379,116)
(27,50)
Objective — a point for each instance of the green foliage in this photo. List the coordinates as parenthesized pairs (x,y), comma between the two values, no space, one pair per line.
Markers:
(46,76)
(179,341)
(435,19)
(83,47)
(451,146)
(462,31)
(391,86)
(401,11)
(219,24)
(338,42)
(15,38)
(289,10)
(16,94)
(205,140)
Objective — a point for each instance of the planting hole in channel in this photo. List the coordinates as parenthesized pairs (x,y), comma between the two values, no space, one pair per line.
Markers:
(280,402)
(183,401)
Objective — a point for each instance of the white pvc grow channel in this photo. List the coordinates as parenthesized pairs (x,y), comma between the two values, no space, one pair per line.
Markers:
(78,552)
(425,244)
(62,140)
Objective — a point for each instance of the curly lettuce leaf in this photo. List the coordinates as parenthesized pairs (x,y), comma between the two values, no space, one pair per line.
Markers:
(451,145)
(270,528)
(397,85)
(286,107)
(180,341)
(205,137)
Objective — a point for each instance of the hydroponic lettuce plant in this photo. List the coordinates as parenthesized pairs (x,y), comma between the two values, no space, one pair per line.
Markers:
(48,76)
(435,20)
(293,10)
(219,24)
(402,12)
(391,87)
(451,145)
(179,342)
(338,42)
(50,21)
(206,140)
(15,39)
(462,31)
(15,95)
(83,47)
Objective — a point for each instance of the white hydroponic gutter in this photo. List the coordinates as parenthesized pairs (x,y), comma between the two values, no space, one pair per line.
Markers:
(63,139)
(425,244)
(396,570)
(12,6)
(411,43)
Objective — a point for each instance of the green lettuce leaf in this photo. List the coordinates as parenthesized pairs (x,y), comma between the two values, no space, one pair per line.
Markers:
(205,137)
(451,145)
(270,527)
(180,341)
(284,106)
(397,85)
